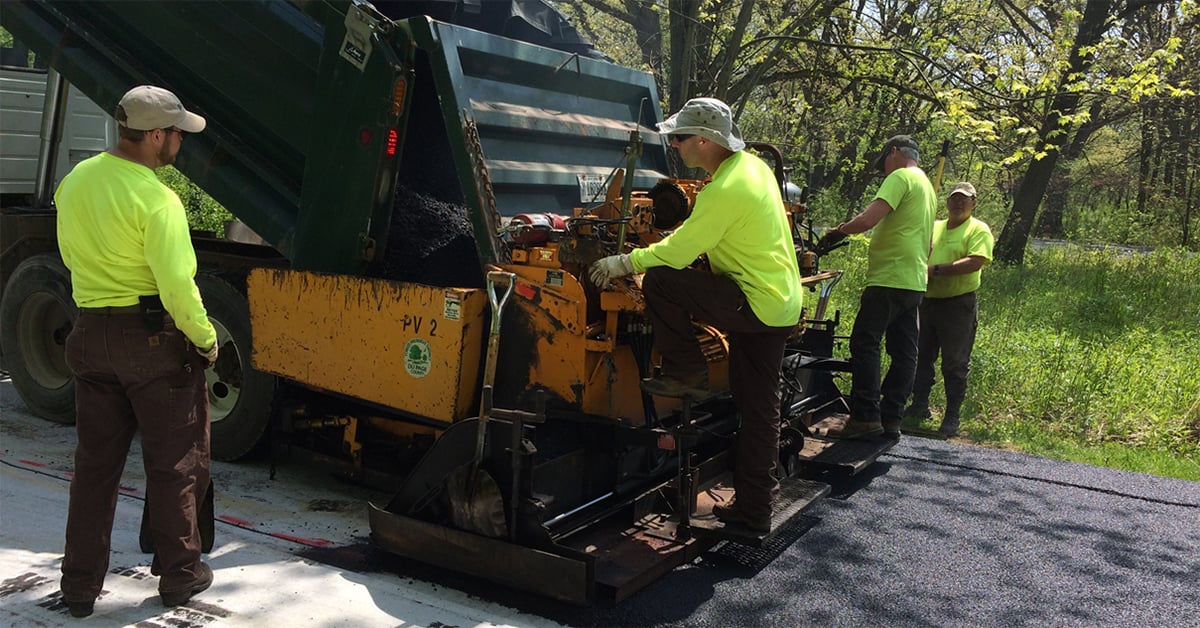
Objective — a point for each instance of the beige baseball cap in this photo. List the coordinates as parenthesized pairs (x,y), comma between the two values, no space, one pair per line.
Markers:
(964,188)
(707,117)
(148,107)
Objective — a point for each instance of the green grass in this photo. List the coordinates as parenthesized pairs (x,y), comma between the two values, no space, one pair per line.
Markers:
(1088,356)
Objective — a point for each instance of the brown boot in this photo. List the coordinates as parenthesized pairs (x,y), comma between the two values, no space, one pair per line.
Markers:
(730,513)
(181,596)
(844,426)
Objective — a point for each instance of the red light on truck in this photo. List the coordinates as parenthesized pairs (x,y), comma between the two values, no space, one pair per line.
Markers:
(364,136)
(398,96)
(392,140)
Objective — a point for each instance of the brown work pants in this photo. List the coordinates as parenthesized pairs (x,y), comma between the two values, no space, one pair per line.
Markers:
(127,379)
(673,299)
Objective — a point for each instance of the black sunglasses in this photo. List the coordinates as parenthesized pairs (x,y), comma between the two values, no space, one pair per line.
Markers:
(681,137)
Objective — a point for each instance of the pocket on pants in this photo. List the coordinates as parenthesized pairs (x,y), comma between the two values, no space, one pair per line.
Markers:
(174,400)
(155,356)
(76,349)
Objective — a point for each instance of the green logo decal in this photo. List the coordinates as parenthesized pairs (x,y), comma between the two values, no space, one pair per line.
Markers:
(417,357)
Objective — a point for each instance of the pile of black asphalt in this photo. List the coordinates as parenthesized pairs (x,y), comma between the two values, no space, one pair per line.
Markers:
(945,534)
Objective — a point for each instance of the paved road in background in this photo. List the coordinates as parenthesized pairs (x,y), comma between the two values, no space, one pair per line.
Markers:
(935,534)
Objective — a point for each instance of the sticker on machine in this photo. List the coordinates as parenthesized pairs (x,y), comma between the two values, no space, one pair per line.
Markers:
(591,187)
(418,359)
(452,306)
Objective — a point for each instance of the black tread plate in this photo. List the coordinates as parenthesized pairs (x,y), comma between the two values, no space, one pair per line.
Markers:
(795,496)
(843,455)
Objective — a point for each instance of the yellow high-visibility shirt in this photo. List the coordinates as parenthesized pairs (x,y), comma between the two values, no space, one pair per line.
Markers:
(740,222)
(123,234)
(972,238)
(899,253)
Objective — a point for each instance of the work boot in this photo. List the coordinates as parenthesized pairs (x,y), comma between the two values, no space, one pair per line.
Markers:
(181,596)
(730,513)
(846,426)
(891,429)
(916,411)
(81,609)
(683,386)
(949,426)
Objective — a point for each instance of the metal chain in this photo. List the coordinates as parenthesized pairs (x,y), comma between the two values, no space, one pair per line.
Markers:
(483,185)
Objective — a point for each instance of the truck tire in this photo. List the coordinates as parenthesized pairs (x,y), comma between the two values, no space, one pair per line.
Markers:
(36,314)
(239,397)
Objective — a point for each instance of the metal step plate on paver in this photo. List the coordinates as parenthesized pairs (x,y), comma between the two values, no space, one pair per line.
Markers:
(795,496)
(847,456)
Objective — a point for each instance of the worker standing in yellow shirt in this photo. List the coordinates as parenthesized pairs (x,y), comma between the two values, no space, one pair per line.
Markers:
(138,350)
(962,246)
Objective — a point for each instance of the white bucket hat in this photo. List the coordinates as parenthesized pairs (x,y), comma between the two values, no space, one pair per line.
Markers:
(707,117)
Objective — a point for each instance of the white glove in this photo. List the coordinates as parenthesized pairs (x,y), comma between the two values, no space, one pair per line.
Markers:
(209,355)
(608,268)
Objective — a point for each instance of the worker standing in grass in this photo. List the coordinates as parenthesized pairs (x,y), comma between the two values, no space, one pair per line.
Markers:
(962,246)
(901,215)
(753,294)
(138,350)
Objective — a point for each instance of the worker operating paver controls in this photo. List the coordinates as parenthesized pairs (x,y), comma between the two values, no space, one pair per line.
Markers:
(138,350)
(901,215)
(752,293)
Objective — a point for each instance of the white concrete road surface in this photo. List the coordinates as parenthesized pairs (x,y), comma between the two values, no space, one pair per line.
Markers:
(260,577)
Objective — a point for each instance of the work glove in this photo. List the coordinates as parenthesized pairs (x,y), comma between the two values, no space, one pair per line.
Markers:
(608,268)
(828,241)
(209,355)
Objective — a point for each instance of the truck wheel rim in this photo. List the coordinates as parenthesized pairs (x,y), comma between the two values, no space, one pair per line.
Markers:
(42,328)
(223,392)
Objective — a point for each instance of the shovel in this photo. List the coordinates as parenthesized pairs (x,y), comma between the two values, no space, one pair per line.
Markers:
(475,498)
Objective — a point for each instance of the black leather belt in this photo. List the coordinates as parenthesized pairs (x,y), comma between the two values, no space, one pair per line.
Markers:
(111,310)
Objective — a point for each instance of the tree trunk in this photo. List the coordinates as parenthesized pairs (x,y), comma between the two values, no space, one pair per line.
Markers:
(684,20)
(1010,247)
(1050,222)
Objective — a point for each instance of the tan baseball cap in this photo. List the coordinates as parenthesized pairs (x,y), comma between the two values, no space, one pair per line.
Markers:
(148,107)
(964,188)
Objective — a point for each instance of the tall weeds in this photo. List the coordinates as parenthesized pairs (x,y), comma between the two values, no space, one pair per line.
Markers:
(1091,355)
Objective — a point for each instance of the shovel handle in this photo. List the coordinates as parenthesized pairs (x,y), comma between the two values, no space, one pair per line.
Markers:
(493,350)
(498,302)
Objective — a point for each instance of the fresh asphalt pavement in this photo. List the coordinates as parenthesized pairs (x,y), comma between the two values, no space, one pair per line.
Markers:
(934,534)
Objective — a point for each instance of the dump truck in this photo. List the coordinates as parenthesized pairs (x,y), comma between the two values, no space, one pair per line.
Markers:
(429,196)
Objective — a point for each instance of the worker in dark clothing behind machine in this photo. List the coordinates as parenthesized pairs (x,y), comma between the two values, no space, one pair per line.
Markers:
(753,294)
(138,350)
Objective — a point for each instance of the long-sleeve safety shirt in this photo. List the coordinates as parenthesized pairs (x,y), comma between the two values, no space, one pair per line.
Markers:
(123,235)
(740,222)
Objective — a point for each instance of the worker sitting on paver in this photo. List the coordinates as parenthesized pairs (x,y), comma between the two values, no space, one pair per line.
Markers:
(753,293)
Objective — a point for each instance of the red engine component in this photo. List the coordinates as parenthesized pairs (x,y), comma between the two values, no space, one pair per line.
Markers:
(534,229)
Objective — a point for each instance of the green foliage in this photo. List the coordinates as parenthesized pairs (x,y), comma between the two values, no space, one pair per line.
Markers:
(829,207)
(204,213)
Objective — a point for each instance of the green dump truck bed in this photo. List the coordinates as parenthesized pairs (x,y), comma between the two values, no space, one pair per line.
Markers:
(318,111)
